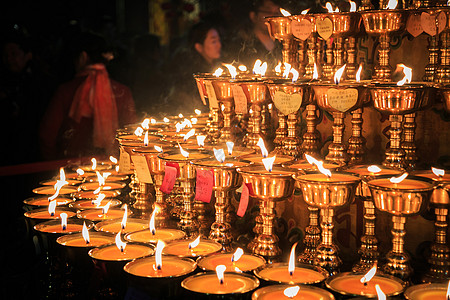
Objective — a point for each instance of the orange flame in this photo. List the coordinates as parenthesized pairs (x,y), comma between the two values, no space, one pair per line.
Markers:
(330,8)
(80,172)
(408,75)
(201,140)
(52,208)
(369,275)
(398,179)
(195,243)
(197,112)
(242,68)
(304,12)
(152,121)
(268,163)
(261,145)
(97,190)
(94,163)
(179,126)
(99,199)
(448,290)
(284,12)
(124,218)
(158,254)
(278,67)
(139,131)
(315,73)
(166,120)
(189,134)
(194,121)
(392,4)
(146,139)
(352,6)
(119,243)
(100,178)
(158,148)
(232,70)
(257,66)
(230,146)
(438,172)
(380,294)
(287,68)
(152,223)
(145,124)
(220,269)
(295,74)
(237,255)
(338,74)
(218,72)
(113,159)
(180,115)
(106,208)
(187,123)
(322,169)
(358,73)
(291,267)
(85,233)
(183,152)
(63,217)
(292,291)
(373,169)
(219,155)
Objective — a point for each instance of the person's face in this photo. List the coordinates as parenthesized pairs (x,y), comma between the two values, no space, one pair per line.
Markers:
(211,48)
(14,58)
(268,9)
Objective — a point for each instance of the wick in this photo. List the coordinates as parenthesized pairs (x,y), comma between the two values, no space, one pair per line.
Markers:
(64,227)
(291,273)
(123,227)
(87,242)
(154,232)
(52,214)
(121,249)
(365,283)
(221,281)
(158,267)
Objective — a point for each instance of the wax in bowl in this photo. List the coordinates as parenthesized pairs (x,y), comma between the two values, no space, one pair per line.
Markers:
(305,293)
(88,204)
(246,263)
(112,253)
(115,226)
(208,284)
(43,201)
(98,215)
(146,236)
(89,195)
(181,248)
(50,190)
(303,274)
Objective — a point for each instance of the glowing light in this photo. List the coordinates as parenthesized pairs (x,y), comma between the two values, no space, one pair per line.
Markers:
(330,8)
(106,208)
(242,68)
(183,152)
(338,74)
(292,291)
(139,131)
(152,121)
(94,163)
(392,4)
(237,255)
(158,254)
(230,146)
(369,275)
(358,73)
(113,159)
(80,172)
(146,139)
(352,6)
(287,68)
(194,120)
(232,70)
(268,163)
(179,127)
(145,124)
(218,72)
(97,202)
(263,69)
(315,72)
(295,74)
(166,120)
(291,266)
(261,145)
(189,134)
(124,218)
(100,179)
(278,67)
(398,179)
(52,208)
(152,223)
(119,243)
(284,12)
(158,148)
(201,140)
(373,169)
(220,155)
(180,116)
(195,243)
(220,269)
(257,66)
(63,221)
(304,12)
(448,290)
(311,160)
(438,172)
(408,75)
(97,190)
(187,123)
(380,294)
(198,112)
(85,233)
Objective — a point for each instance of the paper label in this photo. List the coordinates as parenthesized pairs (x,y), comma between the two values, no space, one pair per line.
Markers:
(200,91)
(124,161)
(240,100)
(211,95)
(325,28)
(286,103)
(429,22)
(204,185)
(301,30)
(342,99)
(414,25)
(175,165)
(170,176)
(142,170)
(243,202)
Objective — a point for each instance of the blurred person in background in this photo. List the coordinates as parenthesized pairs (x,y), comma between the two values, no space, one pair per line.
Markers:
(86,111)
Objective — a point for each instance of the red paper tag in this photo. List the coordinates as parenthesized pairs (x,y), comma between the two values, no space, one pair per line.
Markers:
(174,165)
(243,202)
(204,185)
(170,177)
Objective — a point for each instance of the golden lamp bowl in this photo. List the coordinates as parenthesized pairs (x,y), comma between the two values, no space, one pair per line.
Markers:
(155,164)
(384,21)
(344,23)
(226,177)
(290,88)
(222,88)
(401,201)
(279,27)
(440,196)
(186,168)
(393,99)
(256,91)
(324,93)
(323,193)
(200,80)
(273,186)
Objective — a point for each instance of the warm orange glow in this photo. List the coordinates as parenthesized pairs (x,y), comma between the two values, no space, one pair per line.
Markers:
(194,121)
(52,207)
(187,123)
(315,73)
(304,12)
(392,4)
(381,295)
(166,120)
(232,70)
(408,75)
(158,254)
(330,8)
(145,124)
(230,146)
(85,233)
(242,68)
(179,126)
(237,254)
(295,74)
(180,115)
(195,243)
(291,266)
(338,74)
(398,179)
(263,148)
(322,170)
(113,159)
(438,172)
(369,275)
(124,218)
(292,291)
(158,148)
(284,12)
(358,73)
(373,169)
(63,217)
(97,190)
(352,6)
(146,139)
(201,140)
(219,155)
(278,67)
(448,290)
(268,163)
(119,243)
(152,121)
(311,160)
(189,134)
(80,172)
(287,68)
(100,178)
(94,163)
(197,112)
(257,66)
(139,131)
(183,152)
(106,208)
(263,69)
(152,223)
(220,269)
(218,72)
(99,199)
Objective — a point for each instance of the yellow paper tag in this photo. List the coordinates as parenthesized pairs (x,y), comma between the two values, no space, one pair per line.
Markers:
(124,161)
(342,99)
(240,100)
(142,170)
(325,28)
(301,30)
(414,25)
(200,91)
(287,104)
(429,22)
(211,95)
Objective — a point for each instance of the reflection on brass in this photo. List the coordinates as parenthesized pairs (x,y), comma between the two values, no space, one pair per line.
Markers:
(280,29)
(311,138)
(222,88)
(356,143)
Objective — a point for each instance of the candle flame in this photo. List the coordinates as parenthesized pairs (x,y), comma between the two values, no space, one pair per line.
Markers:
(158,148)
(117,168)
(145,124)
(338,74)
(152,121)
(100,179)
(373,169)
(230,146)
(187,123)
(292,291)
(80,172)
(284,12)
(106,208)
(158,254)
(183,152)
(195,243)
(99,199)
(381,295)
(237,255)
(322,170)
(94,163)
(438,172)
(311,160)
(278,67)
(179,127)
(139,131)
(220,269)
(166,120)
(295,74)
(180,115)
(119,243)
(242,68)
(392,4)
(52,207)
(263,69)
(201,140)
(152,223)
(448,290)
(408,75)
(261,145)
(398,179)
(257,66)
(358,73)
(197,111)
(146,139)
(222,107)
(113,159)
(194,120)
(330,8)
(287,68)
(218,72)
(189,134)
(97,190)
(219,154)
(268,163)
(63,221)
(85,233)
(304,12)
(315,72)
(62,175)
(124,218)
(352,6)
(58,188)
(291,266)
(232,70)
(369,275)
